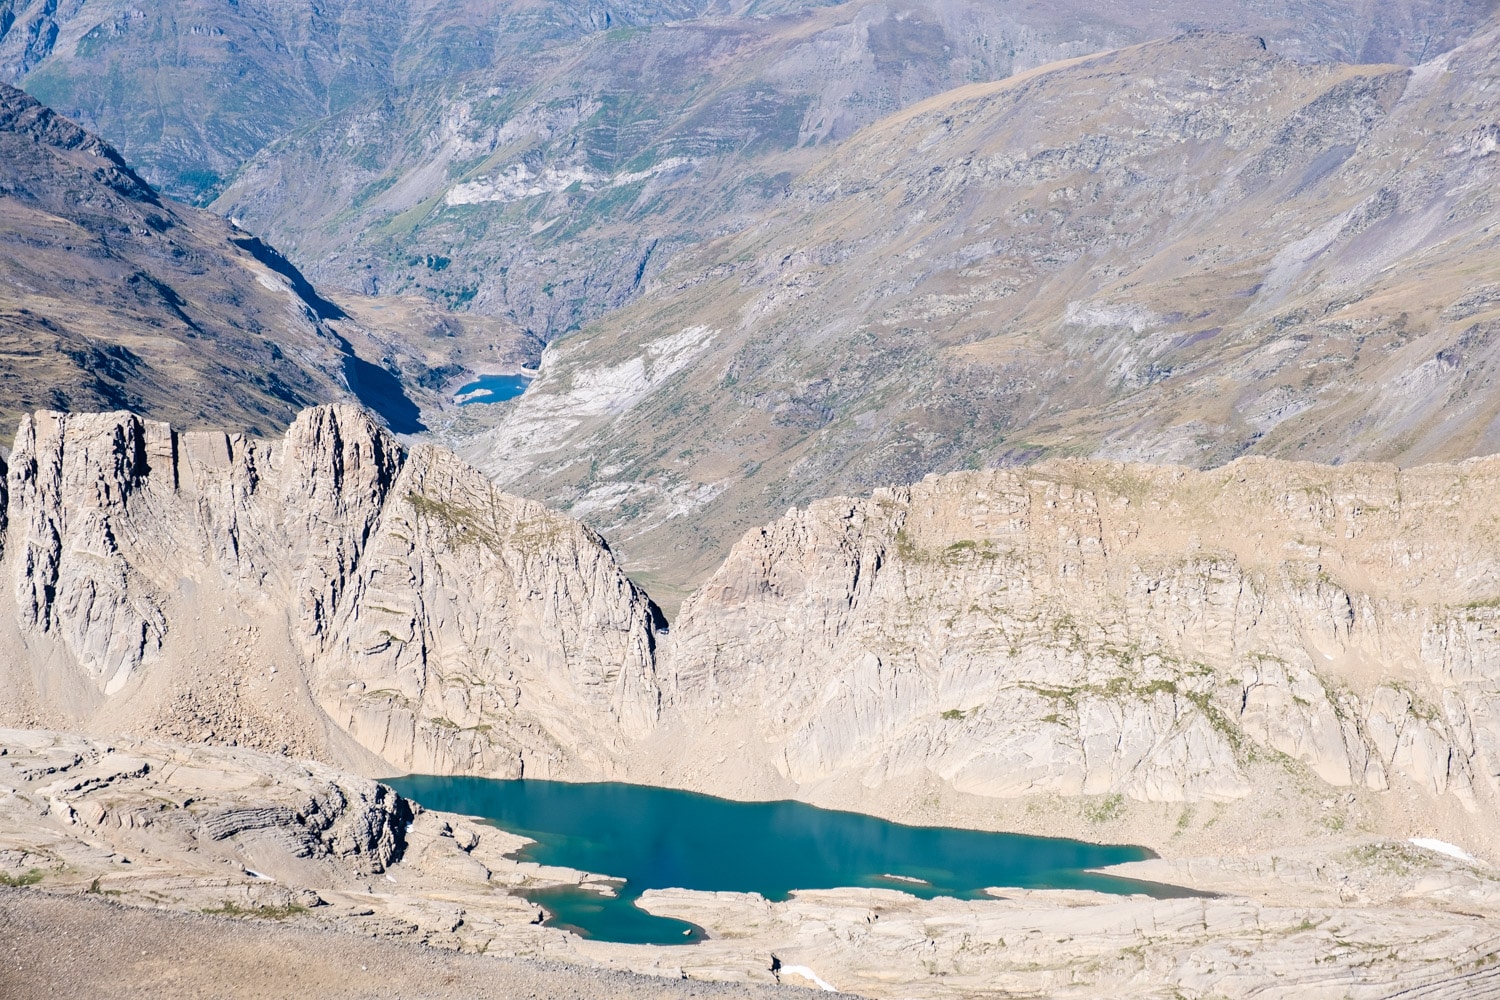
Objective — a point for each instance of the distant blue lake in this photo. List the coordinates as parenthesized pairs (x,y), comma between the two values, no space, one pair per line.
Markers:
(659,838)
(493,389)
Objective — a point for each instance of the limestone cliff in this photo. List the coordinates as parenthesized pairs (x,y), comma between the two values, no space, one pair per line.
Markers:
(222,587)
(1285,650)
(1101,629)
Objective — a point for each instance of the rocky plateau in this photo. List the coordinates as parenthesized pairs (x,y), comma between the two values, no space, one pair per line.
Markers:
(244,836)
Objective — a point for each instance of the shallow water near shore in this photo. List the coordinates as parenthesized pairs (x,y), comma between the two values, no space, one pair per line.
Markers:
(658,838)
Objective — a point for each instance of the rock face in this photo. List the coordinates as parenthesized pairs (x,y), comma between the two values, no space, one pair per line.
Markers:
(214,801)
(1183,251)
(1151,644)
(442,624)
(1090,628)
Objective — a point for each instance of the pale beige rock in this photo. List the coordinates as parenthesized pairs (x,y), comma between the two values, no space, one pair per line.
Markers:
(258,836)
(1197,661)
(1101,629)
(303,591)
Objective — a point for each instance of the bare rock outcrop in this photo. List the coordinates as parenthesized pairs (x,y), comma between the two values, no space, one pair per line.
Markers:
(260,837)
(442,624)
(1297,644)
(1091,628)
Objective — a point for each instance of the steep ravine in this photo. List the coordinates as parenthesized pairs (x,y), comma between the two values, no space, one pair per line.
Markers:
(1266,653)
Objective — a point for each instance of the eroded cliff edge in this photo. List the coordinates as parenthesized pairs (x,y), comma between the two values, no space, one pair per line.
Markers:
(1285,650)
(333,594)
(1283,640)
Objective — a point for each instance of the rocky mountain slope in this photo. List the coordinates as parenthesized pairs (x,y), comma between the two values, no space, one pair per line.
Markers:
(549,192)
(1179,655)
(540,160)
(112,296)
(1184,251)
(1216,642)
(330,593)
(1273,673)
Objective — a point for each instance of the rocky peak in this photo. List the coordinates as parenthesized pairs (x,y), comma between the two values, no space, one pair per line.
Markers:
(56,140)
(413,600)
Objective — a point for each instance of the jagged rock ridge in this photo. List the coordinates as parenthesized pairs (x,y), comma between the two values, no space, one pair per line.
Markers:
(168,578)
(1086,631)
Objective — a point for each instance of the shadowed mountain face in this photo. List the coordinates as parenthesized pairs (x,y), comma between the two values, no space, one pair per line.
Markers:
(111,296)
(543,160)
(1184,251)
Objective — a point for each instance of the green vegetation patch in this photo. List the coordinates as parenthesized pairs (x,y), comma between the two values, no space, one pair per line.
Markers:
(230,909)
(31,877)
(1104,810)
(464,524)
(477,526)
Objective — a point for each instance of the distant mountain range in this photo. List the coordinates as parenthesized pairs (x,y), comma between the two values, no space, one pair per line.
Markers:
(1184,251)
(542,160)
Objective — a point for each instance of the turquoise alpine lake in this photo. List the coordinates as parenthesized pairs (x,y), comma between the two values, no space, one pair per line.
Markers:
(492,389)
(659,838)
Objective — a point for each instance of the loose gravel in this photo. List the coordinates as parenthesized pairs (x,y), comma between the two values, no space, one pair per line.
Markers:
(55,946)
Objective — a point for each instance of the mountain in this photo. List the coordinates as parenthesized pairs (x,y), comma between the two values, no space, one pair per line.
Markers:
(191,89)
(205,585)
(541,161)
(1185,251)
(1273,674)
(112,296)
(1255,638)
(1083,628)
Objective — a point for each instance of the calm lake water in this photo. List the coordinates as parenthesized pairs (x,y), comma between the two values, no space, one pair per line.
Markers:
(658,838)
(493,388)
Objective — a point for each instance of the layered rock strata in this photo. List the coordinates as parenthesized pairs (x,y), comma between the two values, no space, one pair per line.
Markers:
(1102,629)
(297,593)
(1282,649)
(242,834)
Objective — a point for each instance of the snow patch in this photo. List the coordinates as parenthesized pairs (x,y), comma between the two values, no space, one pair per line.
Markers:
(806,973)
(1443,847)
